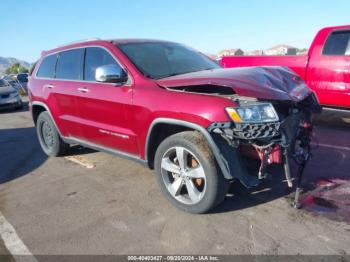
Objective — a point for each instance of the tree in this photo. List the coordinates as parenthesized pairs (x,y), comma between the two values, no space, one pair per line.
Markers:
(16,69)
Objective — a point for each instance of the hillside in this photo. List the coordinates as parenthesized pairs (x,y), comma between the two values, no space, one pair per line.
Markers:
(6,62)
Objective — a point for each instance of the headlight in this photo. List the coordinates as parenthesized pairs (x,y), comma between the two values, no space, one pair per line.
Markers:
(253,113)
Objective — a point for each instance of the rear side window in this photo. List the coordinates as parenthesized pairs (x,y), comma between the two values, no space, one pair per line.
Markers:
(69,65)
(47,67)
(94,58)
(337,44)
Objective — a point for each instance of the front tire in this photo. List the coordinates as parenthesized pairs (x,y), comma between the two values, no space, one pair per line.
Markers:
(187,173)
(49,138)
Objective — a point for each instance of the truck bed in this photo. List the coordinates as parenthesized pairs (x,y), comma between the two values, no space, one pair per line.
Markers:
(297,63)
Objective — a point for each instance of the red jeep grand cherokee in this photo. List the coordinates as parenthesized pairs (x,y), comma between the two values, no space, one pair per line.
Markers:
(170,107)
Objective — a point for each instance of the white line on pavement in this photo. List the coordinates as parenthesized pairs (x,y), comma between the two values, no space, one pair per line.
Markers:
(12,241)
(332,146)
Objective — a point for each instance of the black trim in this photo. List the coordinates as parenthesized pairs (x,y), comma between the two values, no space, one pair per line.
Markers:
(100,148)
(213,146)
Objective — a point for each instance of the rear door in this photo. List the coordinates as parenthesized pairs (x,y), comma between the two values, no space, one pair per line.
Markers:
(328,71)
(63,90)
(102,106)
(57,76)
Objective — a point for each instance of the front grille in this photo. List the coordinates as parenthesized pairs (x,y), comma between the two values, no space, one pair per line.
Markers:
(5,96)
(256,130)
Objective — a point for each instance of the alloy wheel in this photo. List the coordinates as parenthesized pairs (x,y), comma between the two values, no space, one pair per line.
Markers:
(183,175)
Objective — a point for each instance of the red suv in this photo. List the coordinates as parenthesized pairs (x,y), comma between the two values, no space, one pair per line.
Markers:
(173,109)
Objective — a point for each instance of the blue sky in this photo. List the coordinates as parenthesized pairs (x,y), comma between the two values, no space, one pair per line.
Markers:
(28,27)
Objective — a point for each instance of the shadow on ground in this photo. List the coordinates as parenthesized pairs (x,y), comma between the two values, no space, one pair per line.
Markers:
(334,120)
(79,150)
(240,197)
(15,110)
(20,153)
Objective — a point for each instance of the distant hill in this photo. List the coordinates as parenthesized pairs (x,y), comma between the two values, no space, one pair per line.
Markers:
(6,62)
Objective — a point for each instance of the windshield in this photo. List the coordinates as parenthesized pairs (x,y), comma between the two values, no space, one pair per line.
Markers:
(158,60)
(3,83)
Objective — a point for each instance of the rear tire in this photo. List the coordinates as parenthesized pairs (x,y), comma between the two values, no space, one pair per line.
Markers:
(49,138)
(195,183)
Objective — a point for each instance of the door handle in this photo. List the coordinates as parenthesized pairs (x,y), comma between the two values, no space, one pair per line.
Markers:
(83,89)
(49,86)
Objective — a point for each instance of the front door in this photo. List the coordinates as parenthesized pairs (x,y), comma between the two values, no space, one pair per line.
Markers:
(102,106)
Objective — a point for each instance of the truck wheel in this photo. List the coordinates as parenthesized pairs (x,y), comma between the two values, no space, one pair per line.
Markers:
(49,138)
(187,173)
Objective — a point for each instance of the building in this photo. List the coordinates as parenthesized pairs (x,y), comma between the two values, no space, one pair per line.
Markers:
(281,50)
(255,53)
(231,52)
(302,51)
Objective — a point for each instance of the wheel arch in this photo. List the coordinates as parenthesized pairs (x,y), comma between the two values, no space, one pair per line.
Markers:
(173,126)
(36,111)
(38,108)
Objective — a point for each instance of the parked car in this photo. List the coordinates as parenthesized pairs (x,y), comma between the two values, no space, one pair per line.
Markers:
(174,110)
(9,96)
(12,80)
(326,67)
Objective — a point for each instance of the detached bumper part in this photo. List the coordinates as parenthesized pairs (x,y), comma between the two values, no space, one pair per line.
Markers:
(272,143)
(234,161)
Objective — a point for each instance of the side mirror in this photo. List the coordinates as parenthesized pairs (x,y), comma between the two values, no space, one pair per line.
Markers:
(110,74)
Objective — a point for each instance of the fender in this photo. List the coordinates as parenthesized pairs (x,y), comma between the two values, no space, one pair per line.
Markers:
(218,156)
(48,110)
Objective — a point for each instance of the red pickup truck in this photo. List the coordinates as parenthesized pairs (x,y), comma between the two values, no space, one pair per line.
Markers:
(325,68)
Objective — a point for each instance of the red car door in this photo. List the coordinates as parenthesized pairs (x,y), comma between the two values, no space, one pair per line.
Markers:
(102,106)
(60,88)
(328,72)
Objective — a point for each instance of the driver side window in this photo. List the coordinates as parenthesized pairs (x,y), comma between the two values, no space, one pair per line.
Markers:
(94,58)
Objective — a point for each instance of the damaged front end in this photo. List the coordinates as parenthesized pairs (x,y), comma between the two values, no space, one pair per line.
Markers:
(270,119)
(266,133)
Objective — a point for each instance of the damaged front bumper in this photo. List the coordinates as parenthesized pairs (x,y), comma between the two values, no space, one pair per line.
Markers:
(247,149)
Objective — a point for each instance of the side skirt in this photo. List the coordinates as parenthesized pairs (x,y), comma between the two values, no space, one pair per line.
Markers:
(72,140)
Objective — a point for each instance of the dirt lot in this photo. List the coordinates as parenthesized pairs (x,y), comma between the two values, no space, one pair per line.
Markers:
(107,205)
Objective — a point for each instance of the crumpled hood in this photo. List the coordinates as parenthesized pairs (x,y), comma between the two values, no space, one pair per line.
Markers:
(275,83)
(5,90)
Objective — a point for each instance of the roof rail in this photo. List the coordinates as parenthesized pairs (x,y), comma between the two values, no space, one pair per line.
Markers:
(80,41)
